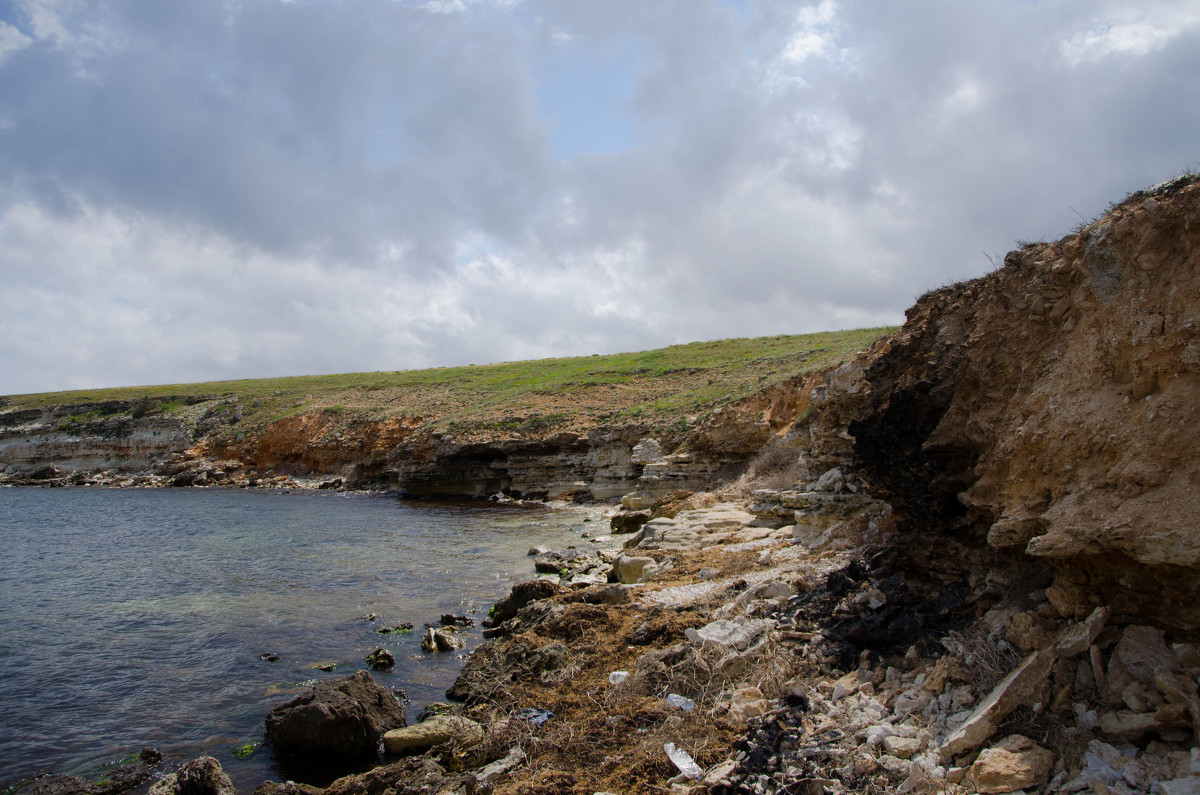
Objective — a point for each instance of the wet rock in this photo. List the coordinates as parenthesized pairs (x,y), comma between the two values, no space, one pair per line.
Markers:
(343,718)
(1016,762)
(381,659)
(54,784)
(202,776)
(522,594)
(442,639)
(436,730)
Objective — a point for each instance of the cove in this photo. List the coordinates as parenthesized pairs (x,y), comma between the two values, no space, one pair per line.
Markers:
(138,617)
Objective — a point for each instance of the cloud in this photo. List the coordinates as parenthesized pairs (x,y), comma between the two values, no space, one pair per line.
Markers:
(198,191)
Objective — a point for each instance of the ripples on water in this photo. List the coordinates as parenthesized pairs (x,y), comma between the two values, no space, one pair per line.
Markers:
(131,618)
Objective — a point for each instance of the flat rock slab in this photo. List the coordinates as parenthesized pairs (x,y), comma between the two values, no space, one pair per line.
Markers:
(434,731)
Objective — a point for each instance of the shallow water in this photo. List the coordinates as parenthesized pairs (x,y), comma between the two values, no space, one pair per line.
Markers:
(137,617)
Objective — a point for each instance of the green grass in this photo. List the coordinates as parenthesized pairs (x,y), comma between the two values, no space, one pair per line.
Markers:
(662,386)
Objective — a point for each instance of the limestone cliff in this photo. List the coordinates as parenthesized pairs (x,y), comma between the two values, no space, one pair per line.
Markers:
(1045,416)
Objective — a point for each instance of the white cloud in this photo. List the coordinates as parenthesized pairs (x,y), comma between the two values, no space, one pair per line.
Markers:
(11,41)
(1131,32)
(261,188)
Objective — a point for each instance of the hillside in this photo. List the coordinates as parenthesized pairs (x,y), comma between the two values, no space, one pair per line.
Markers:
(329,425)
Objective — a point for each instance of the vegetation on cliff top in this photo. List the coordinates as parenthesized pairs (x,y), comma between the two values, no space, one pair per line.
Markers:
(658,386)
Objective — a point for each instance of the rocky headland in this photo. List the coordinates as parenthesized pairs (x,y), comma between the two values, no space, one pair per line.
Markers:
(964,560)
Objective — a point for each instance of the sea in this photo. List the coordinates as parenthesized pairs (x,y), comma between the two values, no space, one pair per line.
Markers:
(132,618)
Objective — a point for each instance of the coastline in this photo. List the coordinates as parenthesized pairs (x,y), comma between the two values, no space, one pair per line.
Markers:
(964,561)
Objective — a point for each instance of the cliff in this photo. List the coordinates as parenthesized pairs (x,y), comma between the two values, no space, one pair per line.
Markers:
(551,428)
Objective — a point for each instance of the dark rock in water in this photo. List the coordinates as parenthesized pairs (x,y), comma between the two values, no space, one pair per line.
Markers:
(116,780)
(202,776)
(522,594)
(54,785)
(269,656)
(456,621)
(381,659)
(343,718)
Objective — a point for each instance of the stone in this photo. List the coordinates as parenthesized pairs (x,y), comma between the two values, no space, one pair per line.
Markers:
(1139,653)
(630,568)
(436,730)
(442,639)
(381,659)
(286,788)
(56,784)
(1179,786)
(202,776)
(1022,686)
(1078,638)
(628,522)
(910,701)
(646,451)
(902,747)
(1030,631)
(486,777)
(746,703)
(342,718)
(522,594)
(417,774)
(724,633)
(1128,725)
(1014,763)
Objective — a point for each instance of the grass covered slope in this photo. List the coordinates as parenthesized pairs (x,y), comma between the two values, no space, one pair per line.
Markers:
(660,387)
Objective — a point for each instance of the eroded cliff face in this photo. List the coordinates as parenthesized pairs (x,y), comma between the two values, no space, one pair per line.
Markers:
(1044,418)
(49,443)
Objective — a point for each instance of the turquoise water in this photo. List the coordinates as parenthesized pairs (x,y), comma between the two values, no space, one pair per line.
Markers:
(131,617)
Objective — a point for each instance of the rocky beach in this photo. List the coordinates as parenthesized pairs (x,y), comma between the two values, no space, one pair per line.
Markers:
(962,560)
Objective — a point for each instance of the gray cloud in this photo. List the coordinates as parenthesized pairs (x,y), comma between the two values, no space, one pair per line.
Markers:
(195,191)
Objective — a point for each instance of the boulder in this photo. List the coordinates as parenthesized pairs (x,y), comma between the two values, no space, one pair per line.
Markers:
(1140,652)
(436,730)
(1016,762)
(522,594)
(628,522)
(630,568)
(1078,638)
(202,776)
(381,659)
(343,718)
(439,639)
(408,776)
(1022,686)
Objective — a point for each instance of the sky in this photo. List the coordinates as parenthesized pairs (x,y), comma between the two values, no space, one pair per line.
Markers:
(194,191)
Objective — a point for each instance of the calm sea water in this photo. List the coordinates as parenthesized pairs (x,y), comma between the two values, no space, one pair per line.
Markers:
(131,618)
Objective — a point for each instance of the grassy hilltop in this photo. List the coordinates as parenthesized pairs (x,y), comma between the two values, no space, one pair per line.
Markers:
(663,387)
